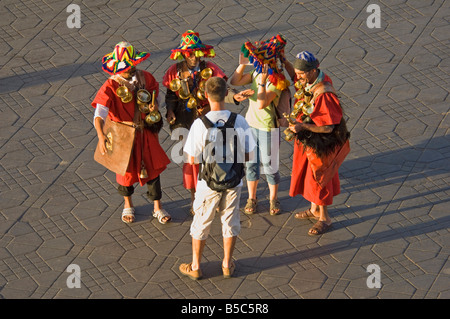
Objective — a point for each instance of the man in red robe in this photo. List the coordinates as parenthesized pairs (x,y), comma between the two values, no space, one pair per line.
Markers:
(180,113)
(147,154)
(324,118)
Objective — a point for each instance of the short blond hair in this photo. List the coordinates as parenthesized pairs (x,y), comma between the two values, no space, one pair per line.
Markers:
(216,87)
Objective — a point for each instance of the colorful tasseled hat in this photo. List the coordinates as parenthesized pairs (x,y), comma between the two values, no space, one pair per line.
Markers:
(122,58)
(268,52)
(191,43)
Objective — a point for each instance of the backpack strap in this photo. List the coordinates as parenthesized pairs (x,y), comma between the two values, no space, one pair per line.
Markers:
(231,120)
(229,123)
(207,122)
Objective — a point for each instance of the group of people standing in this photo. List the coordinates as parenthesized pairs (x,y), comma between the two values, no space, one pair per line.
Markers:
(197,91)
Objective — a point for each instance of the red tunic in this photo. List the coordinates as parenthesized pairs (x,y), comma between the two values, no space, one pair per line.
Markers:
(327,111)
(190,172)
(146,146)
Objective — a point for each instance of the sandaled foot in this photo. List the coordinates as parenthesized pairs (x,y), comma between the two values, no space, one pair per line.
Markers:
(128,215)
(250,207)
(319,228)
(228,272)
(186,269)
(162,216)
(274,207)
(306,214)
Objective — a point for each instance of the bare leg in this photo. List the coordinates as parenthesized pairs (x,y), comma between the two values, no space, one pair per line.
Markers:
(197,251)
(252,186)
(273,189)
(228,248)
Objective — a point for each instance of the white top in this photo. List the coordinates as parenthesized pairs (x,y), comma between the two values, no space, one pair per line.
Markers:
(198,135)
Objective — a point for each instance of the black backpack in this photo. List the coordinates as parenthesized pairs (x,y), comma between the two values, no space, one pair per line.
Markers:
(222,167)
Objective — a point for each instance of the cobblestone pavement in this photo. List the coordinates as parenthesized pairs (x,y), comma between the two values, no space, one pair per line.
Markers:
(59,207)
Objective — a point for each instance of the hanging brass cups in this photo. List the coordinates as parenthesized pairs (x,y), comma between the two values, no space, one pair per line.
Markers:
(124,93)
(143,98)
(180,86)
(289,135)
(154,116)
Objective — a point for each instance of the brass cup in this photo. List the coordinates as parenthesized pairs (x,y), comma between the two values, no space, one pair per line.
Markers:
(124,94)
(200,95)
(298,85)
(175,85)
(143,96)
(192,103)
(184,92)
(300,94)
(307,108)
(206,73)
(184,95)
(143,107)
(201,85)
(295,113)
(298,105)
(153,117)
(288,135)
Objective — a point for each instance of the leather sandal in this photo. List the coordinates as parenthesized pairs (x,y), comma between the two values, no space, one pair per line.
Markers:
(306,214)
(320,228)
(274,207)
(126,213)
(161,214)
(250,207)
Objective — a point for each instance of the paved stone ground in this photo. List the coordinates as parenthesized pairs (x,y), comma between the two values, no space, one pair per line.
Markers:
(58,207)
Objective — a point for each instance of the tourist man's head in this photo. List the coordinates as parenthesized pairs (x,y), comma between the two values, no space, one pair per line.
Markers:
(216,89)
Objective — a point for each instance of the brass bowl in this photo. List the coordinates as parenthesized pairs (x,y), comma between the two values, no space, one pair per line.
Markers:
(153,117)
(184,95)
(122,91)
(124,94)
(201,85)
(298,105)
(295,112)
(192,103)
(298,85)
(143,96)
(300,94)
(288,135)
(184,91)
(175,85)
(206,73)
(307,108)
(143,107)
(200,95)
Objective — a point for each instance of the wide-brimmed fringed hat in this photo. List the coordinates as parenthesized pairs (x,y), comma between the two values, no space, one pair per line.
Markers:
(268,52)
(122,58)
(191,44)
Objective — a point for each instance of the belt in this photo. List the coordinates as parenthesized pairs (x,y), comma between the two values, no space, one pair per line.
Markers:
(139,126)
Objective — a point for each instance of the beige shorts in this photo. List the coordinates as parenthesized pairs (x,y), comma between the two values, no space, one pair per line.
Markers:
(205,204)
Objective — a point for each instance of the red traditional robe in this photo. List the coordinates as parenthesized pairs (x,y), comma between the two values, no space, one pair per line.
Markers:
(190,171)
(145,146)
(327,111)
